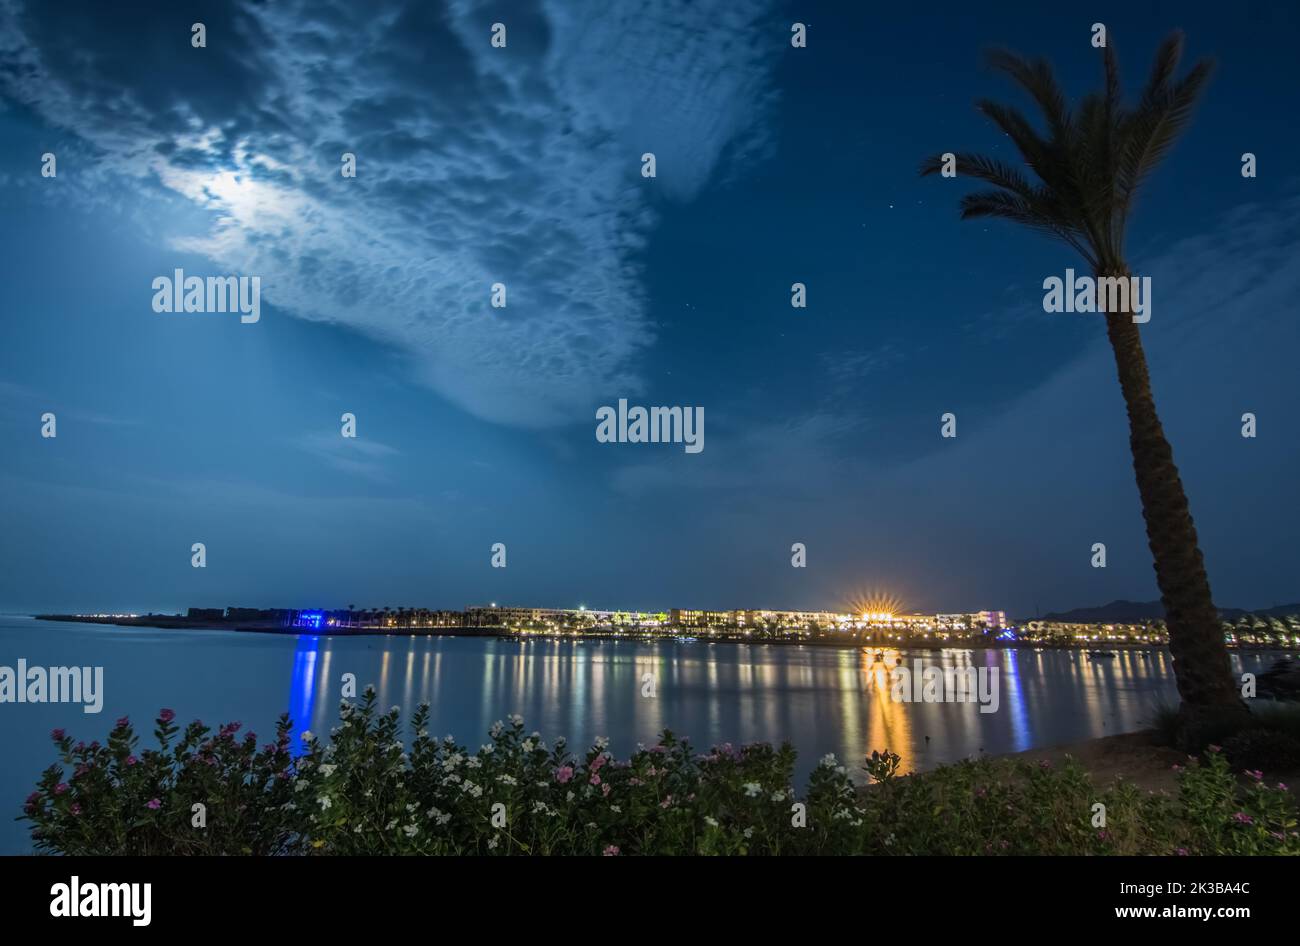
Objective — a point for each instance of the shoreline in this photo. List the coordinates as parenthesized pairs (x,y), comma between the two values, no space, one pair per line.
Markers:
(177,622)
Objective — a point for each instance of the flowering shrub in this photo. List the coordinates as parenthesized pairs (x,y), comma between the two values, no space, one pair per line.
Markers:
(118,799)
(365,792)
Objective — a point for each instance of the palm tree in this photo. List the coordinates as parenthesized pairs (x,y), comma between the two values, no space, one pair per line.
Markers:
(1089,166)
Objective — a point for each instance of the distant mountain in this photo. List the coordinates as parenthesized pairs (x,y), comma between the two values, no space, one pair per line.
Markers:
(1132,612)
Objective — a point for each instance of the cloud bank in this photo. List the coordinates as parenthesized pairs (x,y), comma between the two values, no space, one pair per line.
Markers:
(475,165)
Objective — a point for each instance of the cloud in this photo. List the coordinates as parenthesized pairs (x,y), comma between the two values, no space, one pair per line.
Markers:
(362,456)
(475,165)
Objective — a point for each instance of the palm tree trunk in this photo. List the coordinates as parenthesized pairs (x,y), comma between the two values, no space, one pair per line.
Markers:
(1201,666)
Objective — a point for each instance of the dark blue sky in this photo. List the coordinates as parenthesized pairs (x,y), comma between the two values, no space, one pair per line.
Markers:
(520,165)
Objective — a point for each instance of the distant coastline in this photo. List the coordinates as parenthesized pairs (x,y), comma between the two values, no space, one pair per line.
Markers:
(977,640)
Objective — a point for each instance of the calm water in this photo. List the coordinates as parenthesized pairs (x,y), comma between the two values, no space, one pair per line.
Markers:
(820,699)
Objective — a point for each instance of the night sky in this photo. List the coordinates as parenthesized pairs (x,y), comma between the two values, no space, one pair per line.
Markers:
(522,165)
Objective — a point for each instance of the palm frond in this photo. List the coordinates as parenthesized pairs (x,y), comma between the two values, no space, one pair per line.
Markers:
(1035,212)
(1036,78)
(1165,65)
(986,169)
(1151,130)
(1092,158)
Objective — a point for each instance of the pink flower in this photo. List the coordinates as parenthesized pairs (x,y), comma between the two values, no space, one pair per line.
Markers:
(611,850)
(75,809)
(123,723)
(1182,852)
(131,760)
(166,715)
(60,788)
(595,779)
(597,763)
(58,735)
(1242,818)
(1213,748)
(564,773)
(1281,787)
(1257,775)
(605,788)
(153,804)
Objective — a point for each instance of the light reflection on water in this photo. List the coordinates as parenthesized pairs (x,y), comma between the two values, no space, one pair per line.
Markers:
(820,699)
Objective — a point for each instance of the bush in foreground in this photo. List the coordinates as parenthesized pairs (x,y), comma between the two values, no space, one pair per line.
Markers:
(365,792)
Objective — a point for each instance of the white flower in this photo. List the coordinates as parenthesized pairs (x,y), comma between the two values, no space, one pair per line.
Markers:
(452,761)
(487,748)
(507,779)
(412,806)
(778,796)
(569,797)
(752,789)
(828,760)
(394,710)
(496,729)
(617,810)
(473,762)
(711,820)
(749,833)
(602,742)
(324,802)
(493,842)
(327,770)
(527,745)
(391,825)
(307,736)
(516,719)
(411,830)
